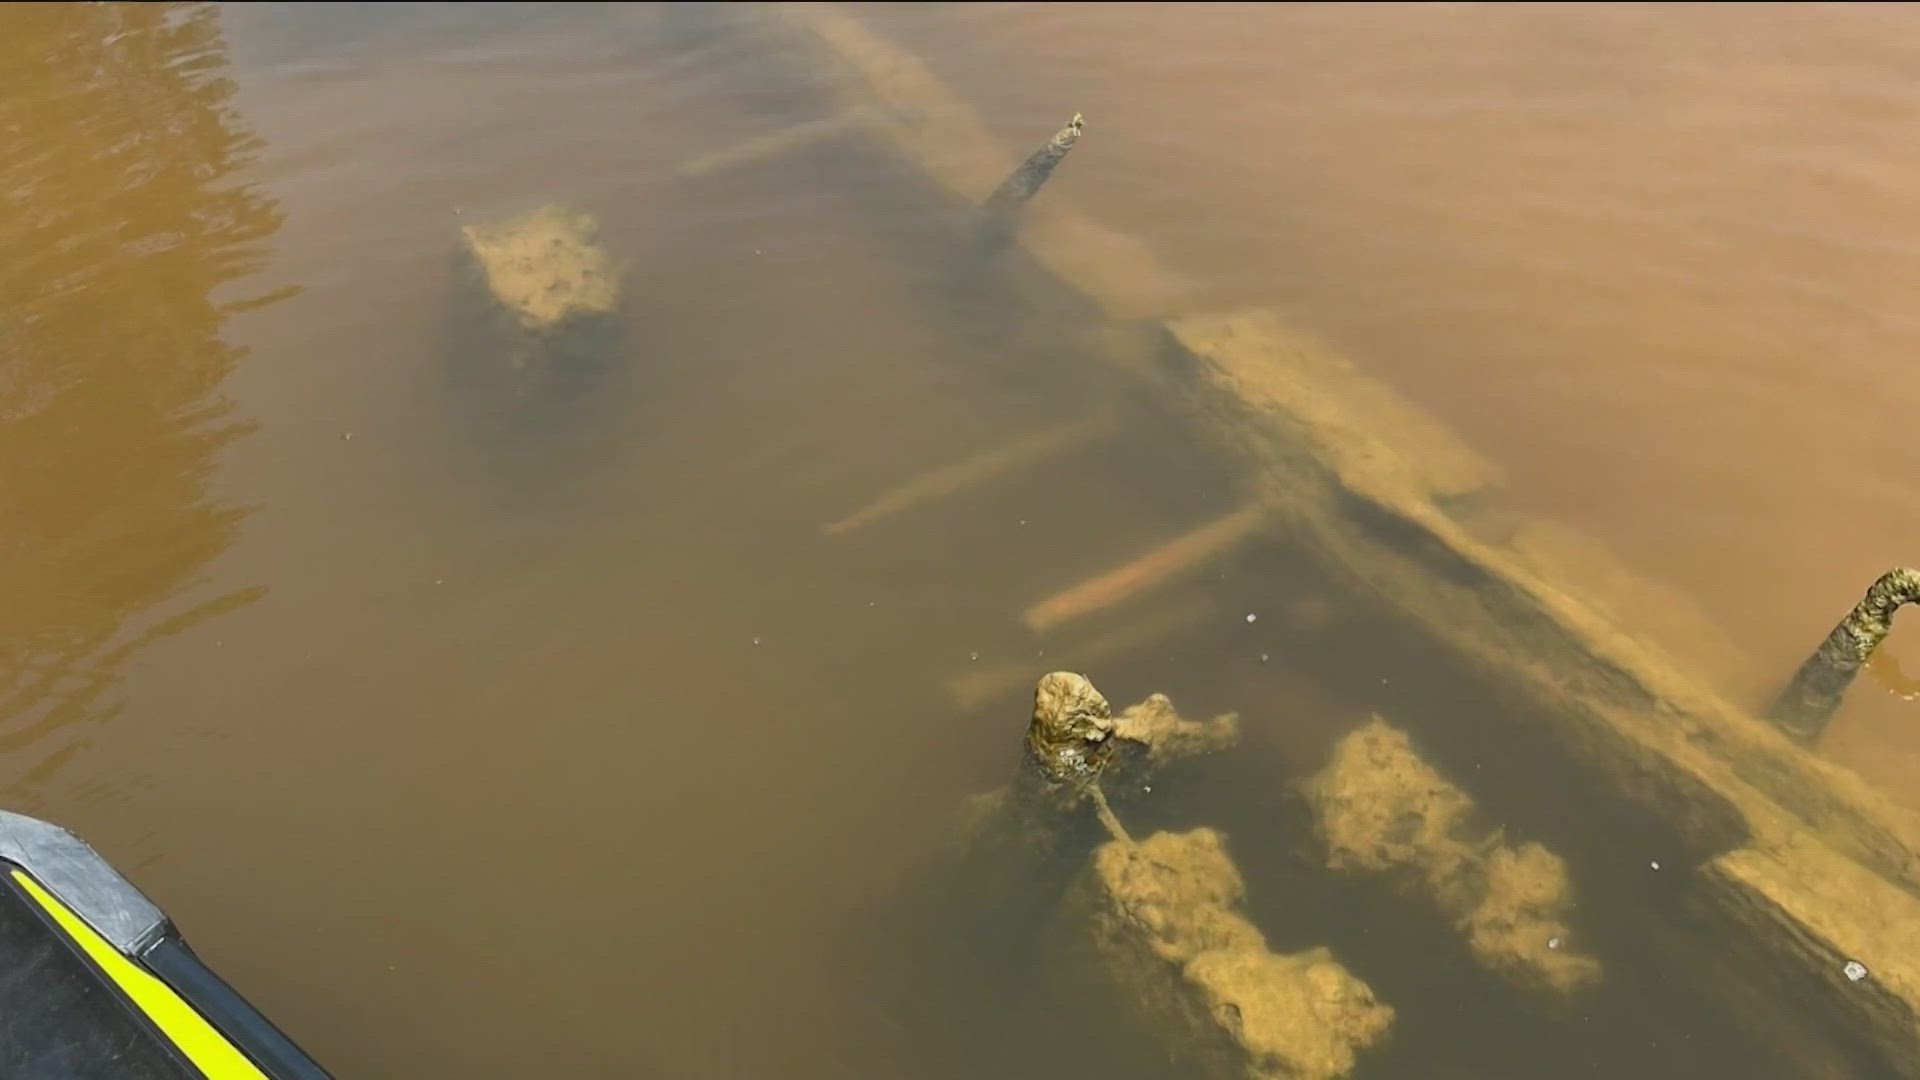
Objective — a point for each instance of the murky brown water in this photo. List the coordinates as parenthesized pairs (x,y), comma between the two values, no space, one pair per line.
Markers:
(579,750)
(1651,257)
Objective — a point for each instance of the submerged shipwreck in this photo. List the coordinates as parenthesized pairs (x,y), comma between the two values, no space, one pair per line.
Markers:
(1801,883)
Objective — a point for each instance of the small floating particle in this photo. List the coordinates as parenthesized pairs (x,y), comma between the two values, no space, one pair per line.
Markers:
(1148,788)
(1251,616)
(1263,658)
(973,656)
(346,436)
(1553,943)
(1655,864)
(1854,971)
(756,641)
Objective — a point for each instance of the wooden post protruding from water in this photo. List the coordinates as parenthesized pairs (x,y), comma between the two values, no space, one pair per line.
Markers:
(1810,700)
(1016,189)
(1074,737)
(1070,738)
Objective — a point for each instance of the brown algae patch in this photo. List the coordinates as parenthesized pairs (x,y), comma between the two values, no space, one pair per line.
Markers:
(1169,737)
(1380,808)
(545,265)
(1161,919)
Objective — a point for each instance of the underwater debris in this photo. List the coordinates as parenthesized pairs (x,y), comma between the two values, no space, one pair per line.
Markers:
(1158,919)
(1027,180)
(1149,936)
(545,265)
(1004,837)
(772,144)
(1070,738)
(1157,926)
(979,469)
(1073,739)
(1379,808)
(1162,736)
(1811,699)
(1803,902)
(1157,567)
(534,355)
(1382,498)
(905,105)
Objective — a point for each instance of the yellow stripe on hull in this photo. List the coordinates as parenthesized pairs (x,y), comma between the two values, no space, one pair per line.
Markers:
(186,1029)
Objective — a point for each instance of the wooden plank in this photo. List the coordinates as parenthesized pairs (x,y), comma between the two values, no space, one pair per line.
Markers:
(773,144)
(1153,569)
(990,682)
(976,471)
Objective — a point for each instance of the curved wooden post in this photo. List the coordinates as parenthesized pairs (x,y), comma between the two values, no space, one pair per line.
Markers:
(1811,699)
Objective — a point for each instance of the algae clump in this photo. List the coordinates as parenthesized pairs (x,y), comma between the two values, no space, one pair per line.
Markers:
(545,265)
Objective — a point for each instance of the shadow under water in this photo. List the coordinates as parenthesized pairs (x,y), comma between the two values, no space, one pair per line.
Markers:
(528,409)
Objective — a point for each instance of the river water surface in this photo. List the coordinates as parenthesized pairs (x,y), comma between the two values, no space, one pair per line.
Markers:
(589,752)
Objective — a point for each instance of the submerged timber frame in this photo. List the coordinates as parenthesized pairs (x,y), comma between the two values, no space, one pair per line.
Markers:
(1794,856)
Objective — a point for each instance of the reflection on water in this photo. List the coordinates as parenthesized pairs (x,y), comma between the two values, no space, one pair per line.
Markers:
(123,219)
(1887,672)
(629,779)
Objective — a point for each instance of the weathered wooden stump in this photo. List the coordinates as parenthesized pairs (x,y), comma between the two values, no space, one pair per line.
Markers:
(1814,695)
(1004,210)
(1024,182)
(1011,841)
